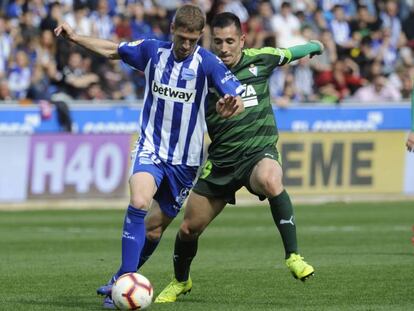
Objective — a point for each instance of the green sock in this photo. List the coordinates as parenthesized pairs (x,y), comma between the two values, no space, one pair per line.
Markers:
(282,213)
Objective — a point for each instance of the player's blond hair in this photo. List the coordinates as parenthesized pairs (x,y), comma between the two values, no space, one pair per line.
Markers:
(189,17)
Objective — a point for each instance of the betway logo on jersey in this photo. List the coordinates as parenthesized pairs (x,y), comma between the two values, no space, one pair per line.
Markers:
(175,94)
(249,96)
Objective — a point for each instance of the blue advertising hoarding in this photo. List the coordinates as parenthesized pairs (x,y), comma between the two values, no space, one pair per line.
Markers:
(118,118)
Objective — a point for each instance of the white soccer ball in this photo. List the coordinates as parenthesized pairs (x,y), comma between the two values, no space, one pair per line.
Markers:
(132,291)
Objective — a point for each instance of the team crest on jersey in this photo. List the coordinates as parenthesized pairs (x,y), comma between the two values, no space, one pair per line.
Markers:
(253,69)
(135,43)
(188,74)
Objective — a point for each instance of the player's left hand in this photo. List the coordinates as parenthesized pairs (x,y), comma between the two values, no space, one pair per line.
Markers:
(410,142)
(229,106)
(321,46)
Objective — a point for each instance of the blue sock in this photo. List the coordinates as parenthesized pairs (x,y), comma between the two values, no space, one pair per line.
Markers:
(149,248)
(133,238)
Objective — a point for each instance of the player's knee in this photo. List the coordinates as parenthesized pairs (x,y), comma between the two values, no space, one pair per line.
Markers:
(188,232)
(272,185)
(140,202)
(154,234)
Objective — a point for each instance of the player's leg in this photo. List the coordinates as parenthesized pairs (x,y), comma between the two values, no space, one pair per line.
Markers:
(146,175)
(156,222)
(199,212)
(142,189)
(266,179)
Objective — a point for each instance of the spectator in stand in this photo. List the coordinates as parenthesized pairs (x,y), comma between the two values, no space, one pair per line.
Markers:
(391,22)
(378,91)
(19,76)
(401,80)
(408,28)
(102,24)
(329,5)
(364,56)
(15,9)
(255,35)
(28,30)
(141,29)
(287,27)
(6,44)
(76,79)
(386,52)
(364,24)
(53,18)
(4,90)
(341,30)
(265,13)
(123,31)
(79,20)
(113,77)
(318,21)
(378,36)
(303,83)
(40,84)
(94,92)
(38,11)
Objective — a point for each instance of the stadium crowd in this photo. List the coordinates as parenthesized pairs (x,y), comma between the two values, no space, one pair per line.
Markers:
(368,47)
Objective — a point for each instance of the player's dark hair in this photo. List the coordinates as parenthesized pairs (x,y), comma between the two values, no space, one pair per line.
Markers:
(226,19)
(189,17)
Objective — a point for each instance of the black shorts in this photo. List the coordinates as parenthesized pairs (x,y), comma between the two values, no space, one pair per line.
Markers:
(223,181)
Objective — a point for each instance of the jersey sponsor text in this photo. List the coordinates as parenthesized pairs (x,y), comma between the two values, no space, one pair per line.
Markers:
(171,93)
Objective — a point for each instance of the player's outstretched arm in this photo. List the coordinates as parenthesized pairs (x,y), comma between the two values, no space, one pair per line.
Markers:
(102,47)
(312,48)
(229,106)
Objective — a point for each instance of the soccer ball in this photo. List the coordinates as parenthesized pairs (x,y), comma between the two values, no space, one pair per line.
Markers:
(132,291)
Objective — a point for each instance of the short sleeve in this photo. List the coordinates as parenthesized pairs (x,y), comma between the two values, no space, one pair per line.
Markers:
(137,53)
(273,57)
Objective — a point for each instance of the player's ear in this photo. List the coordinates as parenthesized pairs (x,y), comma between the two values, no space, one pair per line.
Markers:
(242,40)
(172,27)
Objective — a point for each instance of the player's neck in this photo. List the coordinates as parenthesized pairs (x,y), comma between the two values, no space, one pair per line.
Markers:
(236,61)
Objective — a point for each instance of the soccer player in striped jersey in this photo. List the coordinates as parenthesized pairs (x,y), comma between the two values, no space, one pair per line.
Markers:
(242,153)
(170,147)
(410,139)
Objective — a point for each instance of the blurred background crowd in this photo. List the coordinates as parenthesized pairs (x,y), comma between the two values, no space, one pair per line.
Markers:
(368,57)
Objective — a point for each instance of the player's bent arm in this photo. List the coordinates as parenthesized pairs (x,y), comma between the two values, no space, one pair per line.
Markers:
(102,47)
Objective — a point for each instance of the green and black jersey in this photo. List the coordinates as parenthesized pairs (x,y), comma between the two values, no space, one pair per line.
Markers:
(255,128)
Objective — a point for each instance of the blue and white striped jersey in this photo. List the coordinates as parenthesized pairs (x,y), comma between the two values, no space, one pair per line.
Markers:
(173,117)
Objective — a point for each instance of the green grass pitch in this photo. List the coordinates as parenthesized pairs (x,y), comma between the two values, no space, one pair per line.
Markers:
(362,253)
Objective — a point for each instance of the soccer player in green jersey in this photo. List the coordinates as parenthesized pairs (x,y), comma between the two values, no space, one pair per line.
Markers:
(410,140)
(242,153)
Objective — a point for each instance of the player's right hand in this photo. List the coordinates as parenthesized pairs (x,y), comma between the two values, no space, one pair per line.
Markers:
(229,106)
(65,31)
(321,48)
(410,142)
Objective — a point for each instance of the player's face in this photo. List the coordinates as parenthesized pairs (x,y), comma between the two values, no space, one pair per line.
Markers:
(227,43)
(184,41)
